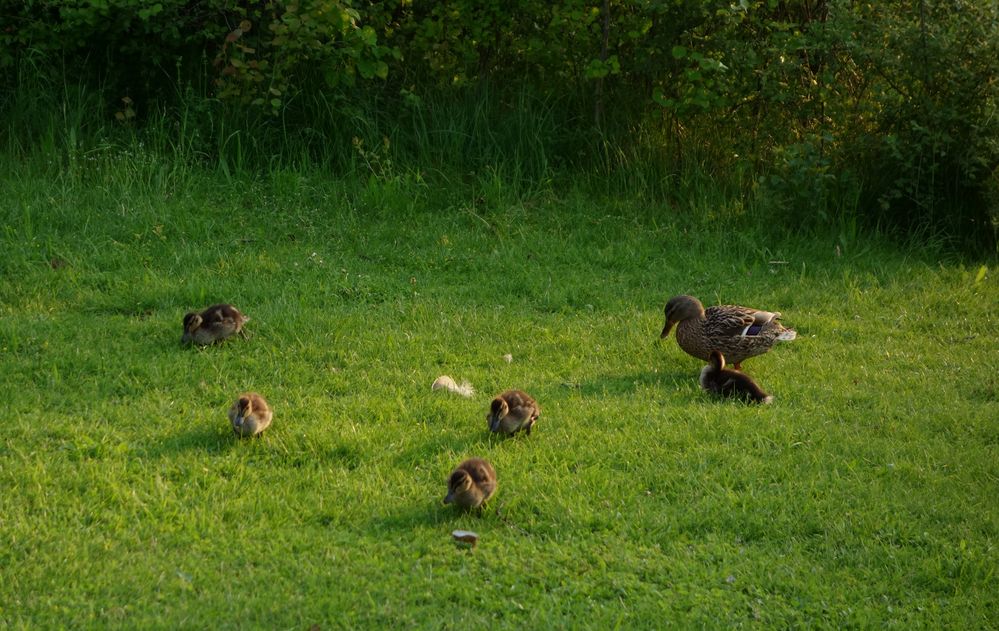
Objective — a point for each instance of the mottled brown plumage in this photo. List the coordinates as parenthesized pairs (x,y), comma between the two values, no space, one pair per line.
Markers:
(512,411)
(737,332)
(471,484)
(719,380)
(212,325)
(250,415)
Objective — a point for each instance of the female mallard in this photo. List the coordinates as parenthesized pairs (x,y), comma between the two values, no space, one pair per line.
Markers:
(737,332)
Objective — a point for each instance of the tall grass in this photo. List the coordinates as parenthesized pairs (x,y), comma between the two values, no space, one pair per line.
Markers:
(481,140)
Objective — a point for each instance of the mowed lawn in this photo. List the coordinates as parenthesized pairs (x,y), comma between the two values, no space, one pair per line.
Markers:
(865,496)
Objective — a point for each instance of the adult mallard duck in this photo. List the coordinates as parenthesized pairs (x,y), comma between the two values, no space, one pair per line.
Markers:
(737,332)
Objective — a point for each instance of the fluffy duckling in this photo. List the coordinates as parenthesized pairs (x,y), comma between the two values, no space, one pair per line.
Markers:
(512,411)
(212,325)
(471,484)
(250,414)
(738,332)
(730,383)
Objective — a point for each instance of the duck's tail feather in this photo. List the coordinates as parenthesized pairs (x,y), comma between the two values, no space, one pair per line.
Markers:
(787,335)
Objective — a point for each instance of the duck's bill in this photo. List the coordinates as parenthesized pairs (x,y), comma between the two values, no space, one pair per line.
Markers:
(666,329)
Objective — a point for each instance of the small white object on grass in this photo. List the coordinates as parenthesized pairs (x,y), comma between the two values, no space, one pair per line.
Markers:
(466,536)
(508,358)
(447,383)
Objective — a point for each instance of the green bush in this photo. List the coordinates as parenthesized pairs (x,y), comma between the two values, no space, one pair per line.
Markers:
(934,151)
(886,111)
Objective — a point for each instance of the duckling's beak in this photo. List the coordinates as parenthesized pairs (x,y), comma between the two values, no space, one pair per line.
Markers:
(449,497)
(666,329)
(239,421)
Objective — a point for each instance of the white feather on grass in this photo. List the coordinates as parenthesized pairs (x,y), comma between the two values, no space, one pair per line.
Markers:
(447,383)
(466,536)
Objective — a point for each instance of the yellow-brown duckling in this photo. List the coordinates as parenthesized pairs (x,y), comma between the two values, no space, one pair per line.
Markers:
(471,484)
(730,383)
(250,415)
(512,411)
(214,324)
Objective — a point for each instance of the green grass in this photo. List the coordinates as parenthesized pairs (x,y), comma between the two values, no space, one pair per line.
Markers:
(864,497)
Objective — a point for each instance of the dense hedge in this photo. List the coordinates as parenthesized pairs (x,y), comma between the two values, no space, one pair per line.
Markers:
(892,103)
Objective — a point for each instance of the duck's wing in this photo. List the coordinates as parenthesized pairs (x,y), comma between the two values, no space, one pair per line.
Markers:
(214,315)
(728,388)
(725,320)
(223,319)
(733,320)
(479,472)
(522,406)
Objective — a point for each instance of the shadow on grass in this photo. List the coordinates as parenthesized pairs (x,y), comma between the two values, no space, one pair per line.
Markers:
(628,384)
(466,444)
(405,519)
(344,455)
(206,439)
(432,513)
(397,520)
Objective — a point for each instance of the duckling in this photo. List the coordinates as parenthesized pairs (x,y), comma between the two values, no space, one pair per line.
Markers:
(212,325)
(471,484)
(512,411)
(738,332)
(730,383)
(250,414)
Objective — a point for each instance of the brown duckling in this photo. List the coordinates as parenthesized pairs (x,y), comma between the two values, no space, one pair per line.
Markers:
(738,332)
(250,414)
(212,325)
(512,411)
(471,484)
(730,383)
